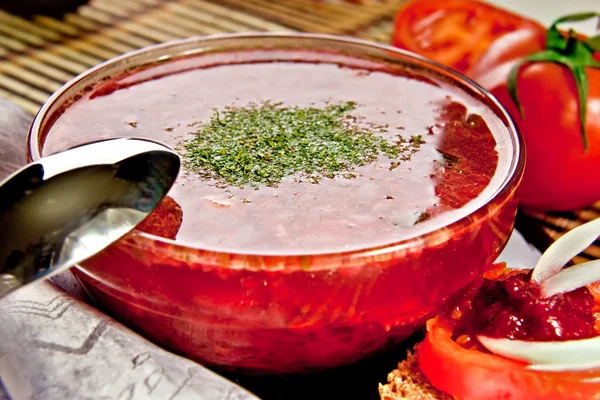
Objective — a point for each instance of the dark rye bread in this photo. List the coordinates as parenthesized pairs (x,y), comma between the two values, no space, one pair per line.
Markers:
(407,382)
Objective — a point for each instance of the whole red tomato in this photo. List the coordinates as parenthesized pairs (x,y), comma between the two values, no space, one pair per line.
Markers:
(558,90)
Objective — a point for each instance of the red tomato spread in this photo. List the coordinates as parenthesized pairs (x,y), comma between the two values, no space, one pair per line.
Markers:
(512,307)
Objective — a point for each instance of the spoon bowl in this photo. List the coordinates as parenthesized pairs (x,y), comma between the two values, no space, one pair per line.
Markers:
(67,207)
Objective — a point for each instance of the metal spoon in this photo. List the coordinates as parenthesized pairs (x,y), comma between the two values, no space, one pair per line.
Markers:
(67,207)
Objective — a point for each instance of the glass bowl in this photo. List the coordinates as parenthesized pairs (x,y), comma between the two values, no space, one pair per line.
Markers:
(290,313)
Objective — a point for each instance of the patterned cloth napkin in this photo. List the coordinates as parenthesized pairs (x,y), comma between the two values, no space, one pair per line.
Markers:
(55,345)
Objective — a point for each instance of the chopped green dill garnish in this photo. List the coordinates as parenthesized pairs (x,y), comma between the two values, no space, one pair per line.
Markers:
(449,160)
(263,143)
(424,216)
(417,140)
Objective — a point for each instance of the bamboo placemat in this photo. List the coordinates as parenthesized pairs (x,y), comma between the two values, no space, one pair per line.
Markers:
(39,54)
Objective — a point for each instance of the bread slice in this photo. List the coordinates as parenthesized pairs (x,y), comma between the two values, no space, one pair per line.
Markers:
(408,383)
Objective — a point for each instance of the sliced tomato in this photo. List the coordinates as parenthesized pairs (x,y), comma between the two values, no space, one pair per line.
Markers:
(470,374)
(459,33)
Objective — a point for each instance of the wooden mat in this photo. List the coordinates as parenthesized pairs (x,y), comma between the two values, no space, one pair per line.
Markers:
(38,55)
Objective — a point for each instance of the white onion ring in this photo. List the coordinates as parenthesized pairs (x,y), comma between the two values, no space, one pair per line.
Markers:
(567,354)
(564,249)
(593,365)
(572,278)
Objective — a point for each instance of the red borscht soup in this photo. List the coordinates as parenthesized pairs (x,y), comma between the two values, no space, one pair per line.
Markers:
(446,171)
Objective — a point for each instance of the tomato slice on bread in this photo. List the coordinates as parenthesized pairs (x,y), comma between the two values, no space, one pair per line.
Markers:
(471,374)
(466,370)
(487,346)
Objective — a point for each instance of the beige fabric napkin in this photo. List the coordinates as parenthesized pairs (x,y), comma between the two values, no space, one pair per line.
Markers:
(54,345)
